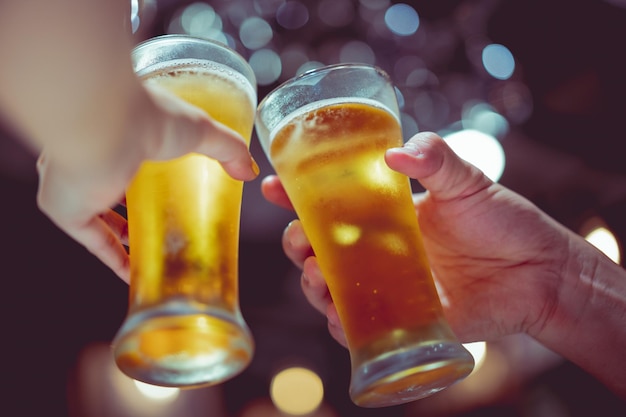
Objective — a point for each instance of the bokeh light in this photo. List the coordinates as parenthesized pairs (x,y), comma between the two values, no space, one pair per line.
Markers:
(297,391)
(498,61)
(292,15)
(267,66)
(198,19)
(478,350)
(410,71)
(480,149)
(161,394)
(255,33)
(402,19)
(599,234)
(357,51)
(483,117)
(267,8)
(603,239)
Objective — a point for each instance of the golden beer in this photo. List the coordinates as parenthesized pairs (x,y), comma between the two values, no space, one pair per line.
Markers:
(359,217)
(363,225)
(184,326)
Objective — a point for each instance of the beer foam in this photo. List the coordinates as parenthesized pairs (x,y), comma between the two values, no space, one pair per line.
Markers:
(180,67)
(325,103)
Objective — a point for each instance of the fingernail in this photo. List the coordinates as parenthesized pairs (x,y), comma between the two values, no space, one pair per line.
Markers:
(410,148)
(295,235)
(255,166)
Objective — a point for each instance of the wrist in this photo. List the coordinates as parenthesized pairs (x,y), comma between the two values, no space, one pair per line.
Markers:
(586,323)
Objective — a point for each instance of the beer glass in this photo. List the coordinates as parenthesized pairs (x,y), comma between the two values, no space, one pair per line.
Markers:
(184,327)
(325,134)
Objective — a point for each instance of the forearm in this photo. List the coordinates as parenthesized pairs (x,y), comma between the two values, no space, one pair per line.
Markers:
(588,323)
(66,80)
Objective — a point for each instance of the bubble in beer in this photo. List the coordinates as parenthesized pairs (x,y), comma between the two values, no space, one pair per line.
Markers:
(346,234)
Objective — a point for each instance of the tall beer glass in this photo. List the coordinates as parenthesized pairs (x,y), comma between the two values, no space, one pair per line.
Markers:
(325,133)
(184,327)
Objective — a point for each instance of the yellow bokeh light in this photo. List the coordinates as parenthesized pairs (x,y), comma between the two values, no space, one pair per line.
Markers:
(605,241)
(478,351)
(297,391)
(157,393)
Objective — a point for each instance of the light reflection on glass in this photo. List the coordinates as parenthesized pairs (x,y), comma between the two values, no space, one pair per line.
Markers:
(134,15)
(400,98)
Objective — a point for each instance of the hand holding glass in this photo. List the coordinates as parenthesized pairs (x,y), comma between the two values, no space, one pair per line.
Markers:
(184,327)
(326,133)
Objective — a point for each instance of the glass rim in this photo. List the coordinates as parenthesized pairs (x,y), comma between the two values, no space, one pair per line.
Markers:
(172,37)
(322,69)
(177,38)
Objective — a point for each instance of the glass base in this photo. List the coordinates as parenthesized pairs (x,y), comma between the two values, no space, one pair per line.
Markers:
(177,346)
(409,374)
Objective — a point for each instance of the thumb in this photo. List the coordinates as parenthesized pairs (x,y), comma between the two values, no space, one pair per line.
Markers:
(428,159)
